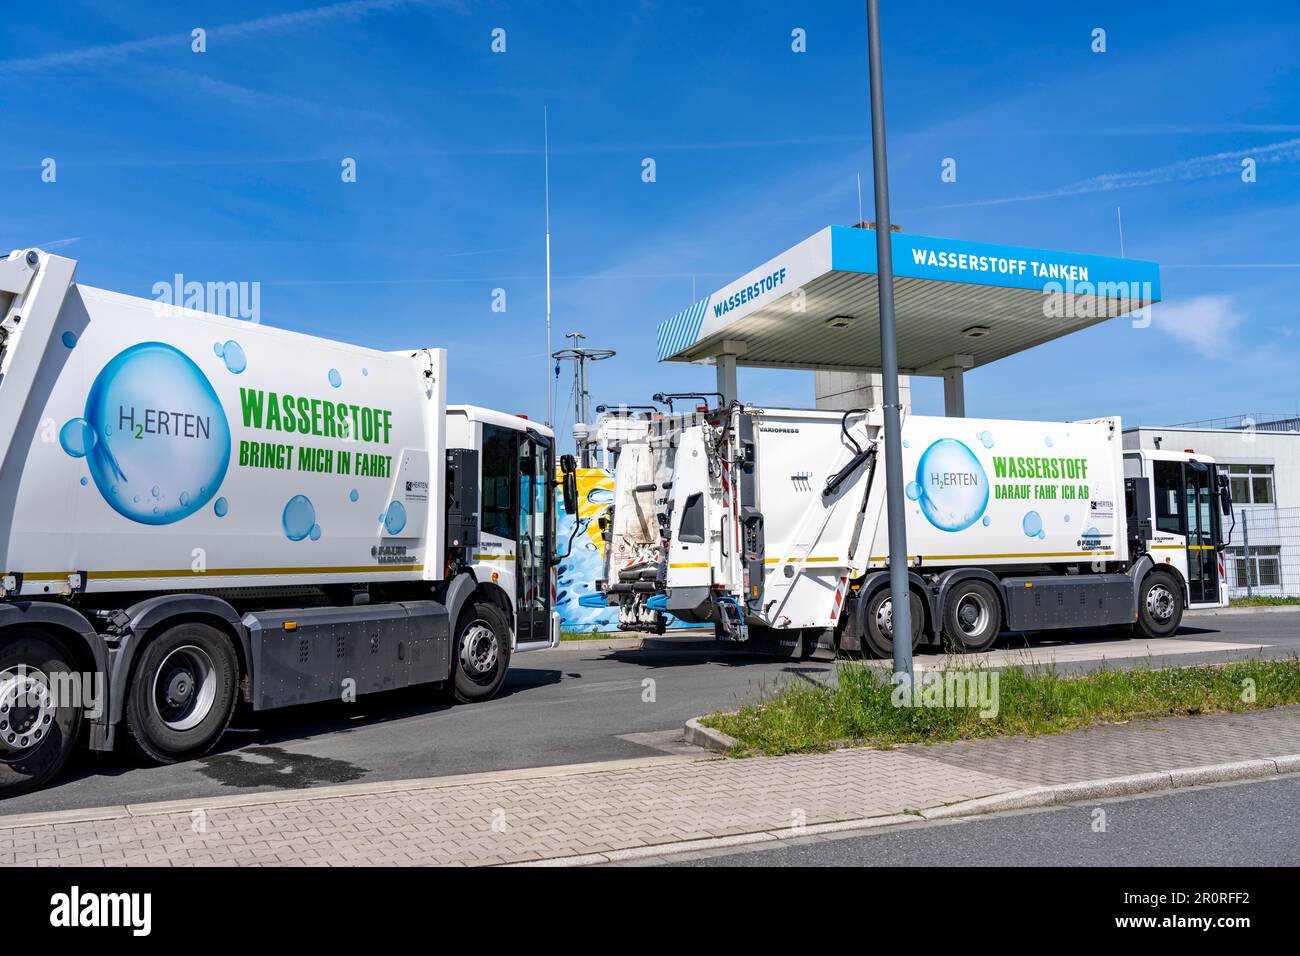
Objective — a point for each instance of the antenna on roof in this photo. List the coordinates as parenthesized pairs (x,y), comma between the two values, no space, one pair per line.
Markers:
(1120,219)
(860,219)
(546,178)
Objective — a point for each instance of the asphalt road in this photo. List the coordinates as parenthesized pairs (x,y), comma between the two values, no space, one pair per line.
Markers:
(574,704)
(1243,824)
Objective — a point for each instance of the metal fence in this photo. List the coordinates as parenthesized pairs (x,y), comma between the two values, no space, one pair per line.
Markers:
(1263,557)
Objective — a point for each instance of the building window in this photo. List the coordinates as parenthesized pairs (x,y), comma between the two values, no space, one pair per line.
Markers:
(1265,564)
(1251,484)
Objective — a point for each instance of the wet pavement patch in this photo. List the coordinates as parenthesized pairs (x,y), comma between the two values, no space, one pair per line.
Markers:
(276,767)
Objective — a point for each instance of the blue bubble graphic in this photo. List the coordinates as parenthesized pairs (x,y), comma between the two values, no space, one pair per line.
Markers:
(906,443)
(335,378)
(1032,523)
(353,495)
(221,508)
(913,491)
(70,339)
(77,437)
(299,517)
(954,490)
(314,534)
(985,522)
(233,353)
(1067,519)
(1048,441)
(395,518)
(135,450)
(986,439)
(1042,534)
(365,371)
(84,481)
(218,349)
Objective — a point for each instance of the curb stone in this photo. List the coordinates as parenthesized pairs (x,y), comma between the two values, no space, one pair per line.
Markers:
(697,735)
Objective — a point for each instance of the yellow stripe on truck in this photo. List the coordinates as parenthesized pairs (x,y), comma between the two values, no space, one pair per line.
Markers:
(219,572)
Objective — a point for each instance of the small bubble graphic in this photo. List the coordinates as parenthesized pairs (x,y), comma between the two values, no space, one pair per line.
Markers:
(314,534)
(394,518)
(77,437)
(1032,523)
(299,517)
(233,353)
(1048,441)
(353,495)
(221,507)
(365,371)
(985,522)
(986,439)
(913,490)
(335,378)
(84,481)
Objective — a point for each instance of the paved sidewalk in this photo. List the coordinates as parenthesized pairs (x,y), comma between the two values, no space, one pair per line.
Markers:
(620,809)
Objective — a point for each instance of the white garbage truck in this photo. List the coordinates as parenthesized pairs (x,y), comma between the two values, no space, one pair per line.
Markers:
(776,530)
(197,511)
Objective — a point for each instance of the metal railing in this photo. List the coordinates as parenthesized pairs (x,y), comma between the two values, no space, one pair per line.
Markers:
(1256,421)
(1263,556)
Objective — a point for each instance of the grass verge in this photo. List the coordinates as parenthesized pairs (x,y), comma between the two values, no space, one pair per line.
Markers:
(1260,600)
(588,635)
(799,717)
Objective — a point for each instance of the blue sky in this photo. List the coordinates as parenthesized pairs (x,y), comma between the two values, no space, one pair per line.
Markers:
(225,166)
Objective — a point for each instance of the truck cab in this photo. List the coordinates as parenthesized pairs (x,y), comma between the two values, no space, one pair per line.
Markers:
(501,516)
(1176,502)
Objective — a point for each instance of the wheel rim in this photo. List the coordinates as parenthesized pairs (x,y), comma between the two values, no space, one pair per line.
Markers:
(184,688)
(973,615)
(885,617)
(479,649)
(26,708)
(1160,603)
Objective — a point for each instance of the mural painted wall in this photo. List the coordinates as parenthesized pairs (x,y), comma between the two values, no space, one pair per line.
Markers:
(581,606)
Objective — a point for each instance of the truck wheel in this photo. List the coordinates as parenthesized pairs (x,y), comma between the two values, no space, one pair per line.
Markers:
(1160,605)
(972,617)
(37,732)
(482,653)
(182,692)
(878,633)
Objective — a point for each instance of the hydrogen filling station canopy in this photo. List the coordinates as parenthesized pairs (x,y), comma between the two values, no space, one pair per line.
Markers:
(959,305)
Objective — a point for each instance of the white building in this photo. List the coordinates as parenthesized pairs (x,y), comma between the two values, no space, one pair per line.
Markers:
(1260,454)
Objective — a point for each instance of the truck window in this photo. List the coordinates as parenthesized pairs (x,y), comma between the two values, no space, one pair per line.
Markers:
(1167,482)
(692,528)
(499,482)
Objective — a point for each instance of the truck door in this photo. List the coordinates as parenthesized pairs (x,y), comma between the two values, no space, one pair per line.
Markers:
(532,571)
(1202,533)
(1187,504)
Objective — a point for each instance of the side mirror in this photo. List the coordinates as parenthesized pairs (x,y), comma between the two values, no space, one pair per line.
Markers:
(1225,494)
(569,468)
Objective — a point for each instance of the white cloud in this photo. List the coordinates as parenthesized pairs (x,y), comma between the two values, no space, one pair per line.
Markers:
(1198,167)
(1206,324)
(86,56)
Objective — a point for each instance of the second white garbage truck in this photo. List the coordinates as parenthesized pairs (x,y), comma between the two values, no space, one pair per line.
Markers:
(196,511)
(775,530)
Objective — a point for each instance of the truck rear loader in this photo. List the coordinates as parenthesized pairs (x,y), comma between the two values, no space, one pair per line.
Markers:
(776,531)
(197,511)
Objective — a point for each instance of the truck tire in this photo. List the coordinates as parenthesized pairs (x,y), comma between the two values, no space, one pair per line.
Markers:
(876,637)
(37,732)
(1160,605)
(972,616)
(482,653)
(182,692)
